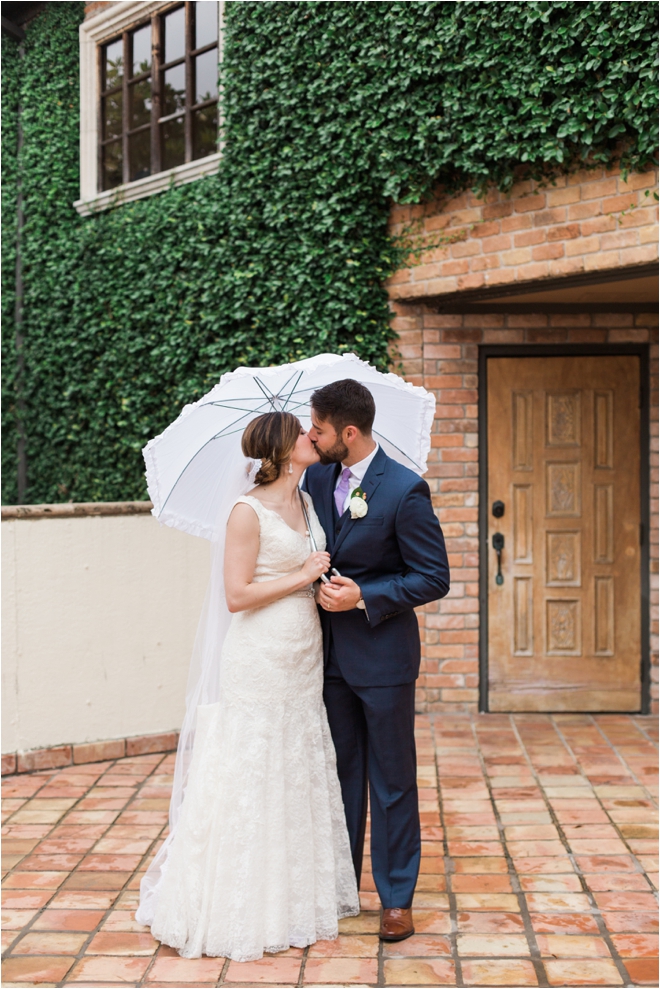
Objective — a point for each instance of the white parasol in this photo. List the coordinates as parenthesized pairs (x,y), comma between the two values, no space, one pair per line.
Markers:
(187,464)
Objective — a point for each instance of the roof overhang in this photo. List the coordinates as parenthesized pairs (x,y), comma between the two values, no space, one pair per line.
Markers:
(632,289)
(16,15)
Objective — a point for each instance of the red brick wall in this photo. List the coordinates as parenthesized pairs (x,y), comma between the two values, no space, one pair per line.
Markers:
(585,222)
(441,352)
(589,221)
(95,7)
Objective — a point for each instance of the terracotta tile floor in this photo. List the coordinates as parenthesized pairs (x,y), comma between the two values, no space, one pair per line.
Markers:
(539,865)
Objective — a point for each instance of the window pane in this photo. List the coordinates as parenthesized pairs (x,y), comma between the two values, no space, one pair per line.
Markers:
(113,64)
(206,76)
(112,115)
(112,171)
(206,23)
(139,155)
(174,25)
(173,143)
(205,131)
(141,50)
(140,94)
(174,90)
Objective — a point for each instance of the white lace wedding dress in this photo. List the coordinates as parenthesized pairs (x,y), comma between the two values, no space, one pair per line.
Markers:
(260,859)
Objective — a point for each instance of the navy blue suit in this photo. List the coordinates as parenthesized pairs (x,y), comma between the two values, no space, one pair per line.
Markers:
(396,553)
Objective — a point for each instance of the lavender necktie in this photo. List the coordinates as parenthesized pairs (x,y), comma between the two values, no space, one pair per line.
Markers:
(342,490)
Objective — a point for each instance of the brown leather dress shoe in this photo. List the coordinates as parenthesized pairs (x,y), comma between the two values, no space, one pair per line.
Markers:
(396,925)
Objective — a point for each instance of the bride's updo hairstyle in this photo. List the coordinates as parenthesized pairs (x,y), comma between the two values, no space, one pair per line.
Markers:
(271,439)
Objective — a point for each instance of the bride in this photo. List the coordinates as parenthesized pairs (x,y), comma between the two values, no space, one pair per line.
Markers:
(259,857)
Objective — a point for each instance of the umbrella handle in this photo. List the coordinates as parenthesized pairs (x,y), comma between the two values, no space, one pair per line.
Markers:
(312,539)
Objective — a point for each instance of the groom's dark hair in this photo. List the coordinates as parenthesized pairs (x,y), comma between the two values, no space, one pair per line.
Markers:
(345,403)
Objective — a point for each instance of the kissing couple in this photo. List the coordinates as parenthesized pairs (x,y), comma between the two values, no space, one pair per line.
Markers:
(316,680)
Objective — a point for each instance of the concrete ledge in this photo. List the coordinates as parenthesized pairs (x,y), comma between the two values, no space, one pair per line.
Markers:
(69,510)
(73,755)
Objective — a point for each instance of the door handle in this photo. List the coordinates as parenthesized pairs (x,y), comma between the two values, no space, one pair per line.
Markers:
(498,546)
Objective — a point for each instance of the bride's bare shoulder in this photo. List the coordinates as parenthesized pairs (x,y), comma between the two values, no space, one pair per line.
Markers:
(244,515)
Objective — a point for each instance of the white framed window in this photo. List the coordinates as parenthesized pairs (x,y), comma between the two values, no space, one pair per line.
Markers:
(148,99)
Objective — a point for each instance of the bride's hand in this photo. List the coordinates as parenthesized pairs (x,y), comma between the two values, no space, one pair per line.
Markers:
(315,565)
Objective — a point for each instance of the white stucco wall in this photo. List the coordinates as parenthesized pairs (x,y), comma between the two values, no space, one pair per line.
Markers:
(99,619)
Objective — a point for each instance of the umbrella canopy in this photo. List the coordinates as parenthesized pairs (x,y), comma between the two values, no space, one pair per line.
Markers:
(189,464)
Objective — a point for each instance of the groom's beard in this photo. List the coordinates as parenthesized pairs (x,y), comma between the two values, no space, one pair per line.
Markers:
(334,455)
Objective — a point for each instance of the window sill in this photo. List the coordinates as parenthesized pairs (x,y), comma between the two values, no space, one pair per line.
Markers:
(150,185)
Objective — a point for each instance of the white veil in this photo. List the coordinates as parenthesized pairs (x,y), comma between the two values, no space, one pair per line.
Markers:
(204,676)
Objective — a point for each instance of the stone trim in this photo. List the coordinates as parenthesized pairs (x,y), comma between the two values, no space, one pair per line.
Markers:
(149,185)
(58,756)
(69,510)
(109,20)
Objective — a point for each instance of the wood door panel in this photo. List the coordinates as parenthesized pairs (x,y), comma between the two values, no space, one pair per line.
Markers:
(564,629)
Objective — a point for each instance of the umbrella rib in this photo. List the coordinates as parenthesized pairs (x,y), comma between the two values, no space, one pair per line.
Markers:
(301,391)
(275,399)
(406,455)
(269,395)
(299,405)
(286,383)
(231,433)
(293,388)
(237,398)
(235,408)
(196,454)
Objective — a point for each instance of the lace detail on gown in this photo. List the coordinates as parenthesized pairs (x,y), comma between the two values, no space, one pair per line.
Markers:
(260,859)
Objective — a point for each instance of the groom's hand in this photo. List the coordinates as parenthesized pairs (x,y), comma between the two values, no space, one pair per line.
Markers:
(341,594)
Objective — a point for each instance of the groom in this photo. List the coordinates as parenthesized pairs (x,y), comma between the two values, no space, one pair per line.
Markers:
(391,560)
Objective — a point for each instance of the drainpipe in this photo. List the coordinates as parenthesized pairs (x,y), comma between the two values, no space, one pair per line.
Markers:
(18,313)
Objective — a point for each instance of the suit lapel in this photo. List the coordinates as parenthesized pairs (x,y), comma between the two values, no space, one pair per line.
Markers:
(328,519)
(369,484)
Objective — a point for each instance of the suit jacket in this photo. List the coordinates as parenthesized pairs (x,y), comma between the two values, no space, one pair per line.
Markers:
(396,553)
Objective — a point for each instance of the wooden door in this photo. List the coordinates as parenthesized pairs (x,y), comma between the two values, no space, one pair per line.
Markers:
(564,626)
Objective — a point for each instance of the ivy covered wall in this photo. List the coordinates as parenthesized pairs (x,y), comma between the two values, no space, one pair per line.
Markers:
(331,111)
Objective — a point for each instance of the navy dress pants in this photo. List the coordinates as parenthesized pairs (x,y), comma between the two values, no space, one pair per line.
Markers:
(373,733)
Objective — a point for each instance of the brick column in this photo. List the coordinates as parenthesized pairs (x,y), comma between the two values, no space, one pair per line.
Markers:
(441,352)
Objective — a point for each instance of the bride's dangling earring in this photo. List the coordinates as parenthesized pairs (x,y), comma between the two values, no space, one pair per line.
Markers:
(290,468)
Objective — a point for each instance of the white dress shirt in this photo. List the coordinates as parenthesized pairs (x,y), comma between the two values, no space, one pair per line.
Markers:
(356,476)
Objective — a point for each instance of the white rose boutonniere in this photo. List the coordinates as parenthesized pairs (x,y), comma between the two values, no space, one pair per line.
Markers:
(358,504)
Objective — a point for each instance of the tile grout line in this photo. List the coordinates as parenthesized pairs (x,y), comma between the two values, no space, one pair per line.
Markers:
(144,857)
(81,954)
(223,973)
(27,929)
(62,822)
(598,917)
(303,962)
(380,971)
(534,951)
(642,730)
(638,864)
(49,776)
(623,762)
(642,786)
(29,926)
(449,870)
